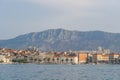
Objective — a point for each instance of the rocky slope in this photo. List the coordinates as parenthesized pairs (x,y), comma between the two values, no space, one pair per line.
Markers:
(63,40)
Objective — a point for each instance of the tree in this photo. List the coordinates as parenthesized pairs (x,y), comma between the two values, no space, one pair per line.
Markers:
(40,60)
(66,60)
(1,61)
(53,60)
(62,61)
(48,60)
(44,59)
(19,60)
(57,60)
(71,60)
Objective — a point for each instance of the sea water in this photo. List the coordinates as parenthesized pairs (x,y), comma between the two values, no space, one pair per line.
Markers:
(59,72)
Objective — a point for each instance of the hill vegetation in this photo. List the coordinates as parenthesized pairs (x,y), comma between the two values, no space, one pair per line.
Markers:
(63,40)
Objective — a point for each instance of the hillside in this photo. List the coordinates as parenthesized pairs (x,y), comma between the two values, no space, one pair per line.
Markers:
(63,40)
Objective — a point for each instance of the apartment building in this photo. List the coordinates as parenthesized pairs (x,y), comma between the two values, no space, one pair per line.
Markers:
(114,58)
(101,58)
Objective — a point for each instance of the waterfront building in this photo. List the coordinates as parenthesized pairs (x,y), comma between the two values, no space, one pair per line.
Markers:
(82,57)
(5,58)
(59,58)
(101,58)
(68,60)
(52,57)
(114,58)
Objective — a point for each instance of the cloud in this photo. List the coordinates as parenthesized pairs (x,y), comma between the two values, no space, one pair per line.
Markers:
(75,7)
(64,3)
(78,10)
(36,15)
(68,7)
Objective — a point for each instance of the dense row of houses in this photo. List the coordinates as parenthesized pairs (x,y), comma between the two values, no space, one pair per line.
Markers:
(70,57)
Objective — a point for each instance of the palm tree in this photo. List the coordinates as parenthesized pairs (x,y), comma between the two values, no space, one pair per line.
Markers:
(57,60)
(53,60)
(48,60)
(71,61)
(62,61)
(40,60)
(44,59)
(66,60)
(116,60)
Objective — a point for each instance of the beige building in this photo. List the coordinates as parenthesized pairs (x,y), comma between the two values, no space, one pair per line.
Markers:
(114,57)
(101,58)
(59,58)
(68,60)
(5,58)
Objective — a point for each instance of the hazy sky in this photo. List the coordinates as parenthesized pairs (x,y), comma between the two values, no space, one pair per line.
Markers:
(24,16)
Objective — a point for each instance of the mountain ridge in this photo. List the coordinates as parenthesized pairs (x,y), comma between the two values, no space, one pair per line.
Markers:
(63,40)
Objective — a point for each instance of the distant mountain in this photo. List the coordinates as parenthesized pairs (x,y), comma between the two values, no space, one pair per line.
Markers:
(63,40)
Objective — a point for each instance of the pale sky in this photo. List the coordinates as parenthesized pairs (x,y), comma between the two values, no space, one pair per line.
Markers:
(24,16)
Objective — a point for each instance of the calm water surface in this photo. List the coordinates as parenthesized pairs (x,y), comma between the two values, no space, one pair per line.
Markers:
(59,72)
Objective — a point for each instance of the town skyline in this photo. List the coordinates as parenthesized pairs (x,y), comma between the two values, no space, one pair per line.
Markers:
(34,55)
